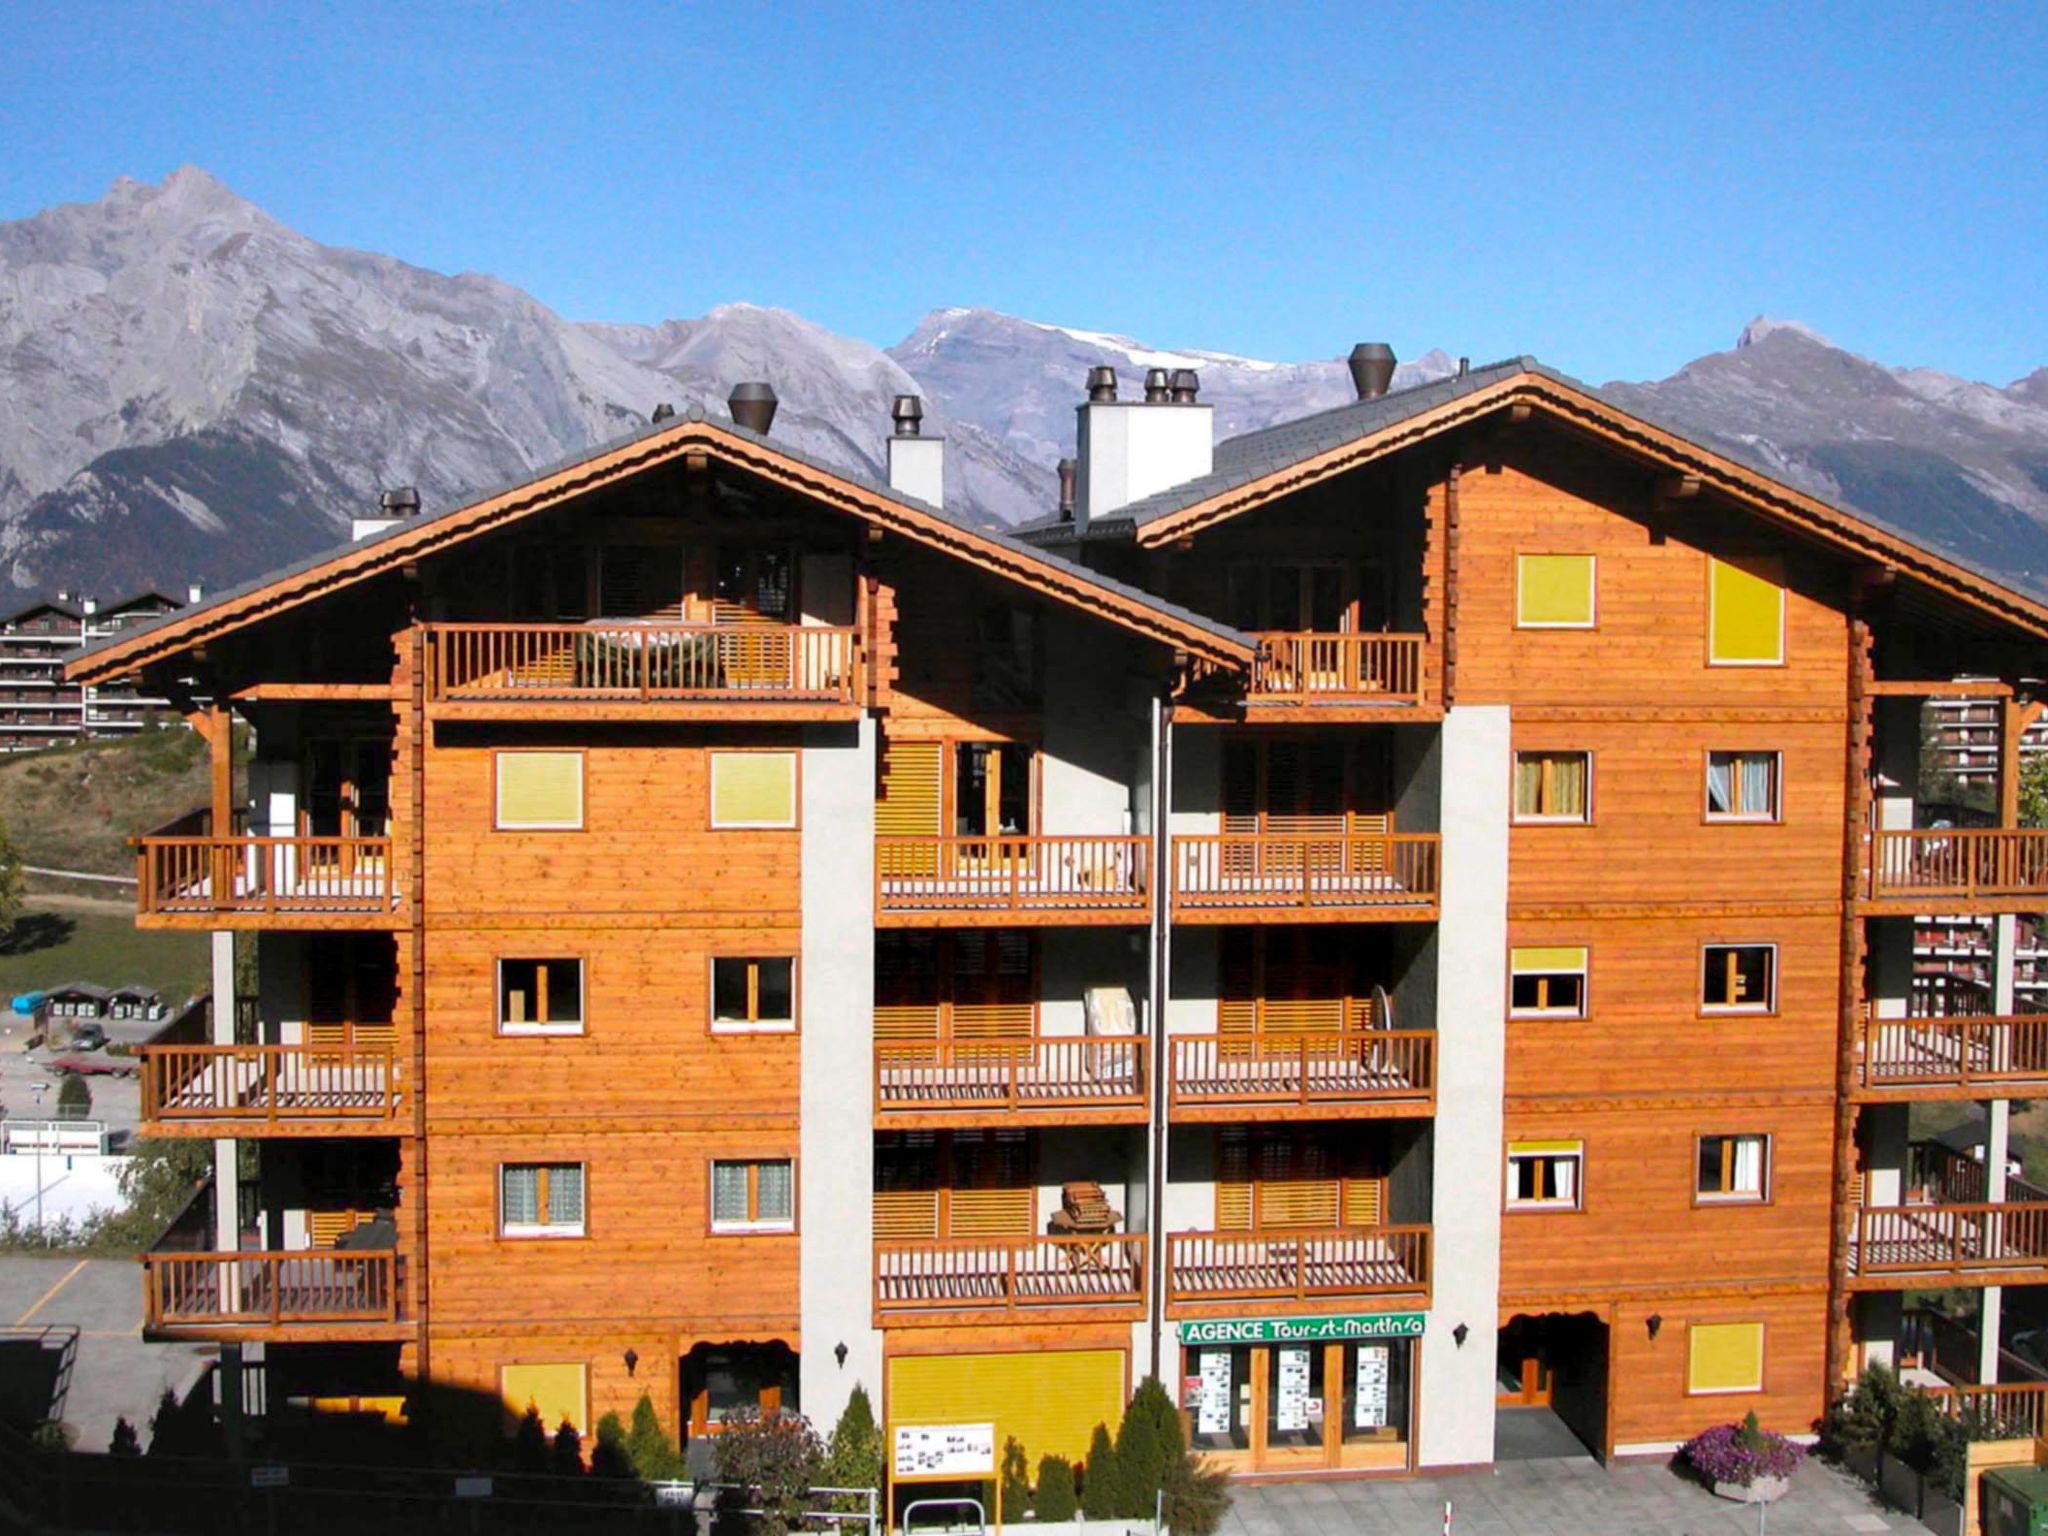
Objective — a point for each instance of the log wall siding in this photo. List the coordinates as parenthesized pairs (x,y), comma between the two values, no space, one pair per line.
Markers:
(1643,886)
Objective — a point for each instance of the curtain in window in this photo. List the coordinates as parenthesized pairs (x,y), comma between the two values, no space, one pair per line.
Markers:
(565,1195)
(1721,785)
(728,1191)
(1567,787)
(1756,784)
(1564,1172)
(1528,786)
(519,1195)
(775,1192)
(1749,1166)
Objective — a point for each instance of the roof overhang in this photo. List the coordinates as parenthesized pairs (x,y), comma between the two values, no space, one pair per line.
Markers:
(394,550)
(1590,415)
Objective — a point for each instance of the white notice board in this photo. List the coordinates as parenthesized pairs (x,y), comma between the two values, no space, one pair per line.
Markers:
(934,1452)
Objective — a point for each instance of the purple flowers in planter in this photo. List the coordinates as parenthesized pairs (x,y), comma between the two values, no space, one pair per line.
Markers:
(1742,1453)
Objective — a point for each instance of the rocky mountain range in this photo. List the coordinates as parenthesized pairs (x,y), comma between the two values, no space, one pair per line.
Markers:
(189,389)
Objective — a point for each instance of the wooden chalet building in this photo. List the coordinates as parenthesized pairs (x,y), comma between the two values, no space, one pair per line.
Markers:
(1388,918)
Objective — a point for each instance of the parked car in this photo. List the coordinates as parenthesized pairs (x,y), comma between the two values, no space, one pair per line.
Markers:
(94,1066)
(88,1037)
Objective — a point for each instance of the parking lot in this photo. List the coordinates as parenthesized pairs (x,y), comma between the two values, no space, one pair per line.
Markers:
(1568,1496)
(71,1346)
(116,1100)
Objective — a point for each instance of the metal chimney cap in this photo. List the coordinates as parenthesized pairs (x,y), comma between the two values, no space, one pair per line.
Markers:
(1101,384)
(1070,472)
(1186,385)
(1156,387)
(752,405)
(1372,368)
(907,411)
(400,501)
(663,412)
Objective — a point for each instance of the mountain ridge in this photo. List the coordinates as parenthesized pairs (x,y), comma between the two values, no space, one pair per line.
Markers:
(191,389)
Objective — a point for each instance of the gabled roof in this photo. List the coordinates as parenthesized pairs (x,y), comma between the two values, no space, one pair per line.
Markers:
(773,460)
(1256,468)
(79,989)
(47,605)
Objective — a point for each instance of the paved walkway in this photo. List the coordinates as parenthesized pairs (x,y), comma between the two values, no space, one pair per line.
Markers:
(1573,1496)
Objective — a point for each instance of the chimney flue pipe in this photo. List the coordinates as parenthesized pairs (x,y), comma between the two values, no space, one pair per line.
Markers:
(752,405)
(1101,385)
(1157,390)
(907,411)
(1186,385)
(1372,369)
(1070,470)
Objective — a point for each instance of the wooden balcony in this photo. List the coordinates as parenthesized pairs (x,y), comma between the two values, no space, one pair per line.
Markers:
(2007,1411)
(644,671)
(1010,881)
(187,878)
(270,1090)
(950,1280)
(1349,1074)
(1971,1056)
(1949,1244)
(1300,1266)
(302,1296)
(1316,670)
(1269,877)
(1959,870)
(1042,1079)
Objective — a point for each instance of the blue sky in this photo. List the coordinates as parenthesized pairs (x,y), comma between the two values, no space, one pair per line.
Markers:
(1614,188)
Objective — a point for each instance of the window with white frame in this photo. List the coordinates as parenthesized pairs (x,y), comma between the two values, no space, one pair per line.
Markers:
(540,997)
(753,1195)
(1739,978)
(1742,786)
(540,1199)
(1554,786)
(1733,1168)
(1547,981)
(1545,1175)
(753,993)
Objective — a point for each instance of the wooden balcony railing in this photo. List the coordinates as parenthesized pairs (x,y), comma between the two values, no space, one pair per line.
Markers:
(1960,863)
(1312,667)
(1951,1239)
(207,1291)
(269,1083)
(1012,874)
(2007,1411)
(1216,871)
(1948,1177)
(1298,1264)
(1326,1070)
(496,663)
(1970,1050)
(197,873)
(1014,1274)
(1039,1072)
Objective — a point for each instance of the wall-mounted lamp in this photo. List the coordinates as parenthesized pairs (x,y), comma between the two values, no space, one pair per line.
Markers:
(1461,1333)
(839,1352)
(1654,1322)
(632,1361)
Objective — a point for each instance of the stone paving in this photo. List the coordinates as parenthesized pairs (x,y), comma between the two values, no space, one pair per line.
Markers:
(1573,1496)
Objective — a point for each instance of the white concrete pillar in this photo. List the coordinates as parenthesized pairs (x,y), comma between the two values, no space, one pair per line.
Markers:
(1457,1398)
(836,1080)
(227,1187)
(1997,1143)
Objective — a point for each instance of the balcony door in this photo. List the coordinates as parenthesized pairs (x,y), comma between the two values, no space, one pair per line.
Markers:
(351,991)
(1310,980)
(954,1184)
(348,788)
(1294,597)
(972,994)
(1284,1178)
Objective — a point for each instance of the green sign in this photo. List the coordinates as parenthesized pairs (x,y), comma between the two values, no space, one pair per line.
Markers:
(1302,1330)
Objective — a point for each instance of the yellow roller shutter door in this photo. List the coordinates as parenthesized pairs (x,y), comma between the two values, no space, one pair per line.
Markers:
(1051,1400)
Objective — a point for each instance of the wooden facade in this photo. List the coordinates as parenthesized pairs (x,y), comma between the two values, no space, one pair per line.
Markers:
(558,761)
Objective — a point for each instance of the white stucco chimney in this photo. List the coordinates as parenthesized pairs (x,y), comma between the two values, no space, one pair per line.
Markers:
(1130,449)
(393,508)
(917,464)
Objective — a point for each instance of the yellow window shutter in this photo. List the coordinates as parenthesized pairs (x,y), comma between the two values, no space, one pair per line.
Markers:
(903,1215)
(1554,591)
(1549,957)
(557,1389)
(1746,615)
(540,789)
(908,803)
(1725,1357)
(753,789)
(1364,1199)
(1233,1183)
(1048,1400)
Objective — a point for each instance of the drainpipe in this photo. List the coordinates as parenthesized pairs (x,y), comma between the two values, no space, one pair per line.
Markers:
(1160,986)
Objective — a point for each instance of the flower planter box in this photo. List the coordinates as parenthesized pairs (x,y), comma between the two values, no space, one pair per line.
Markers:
(1765,1490)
